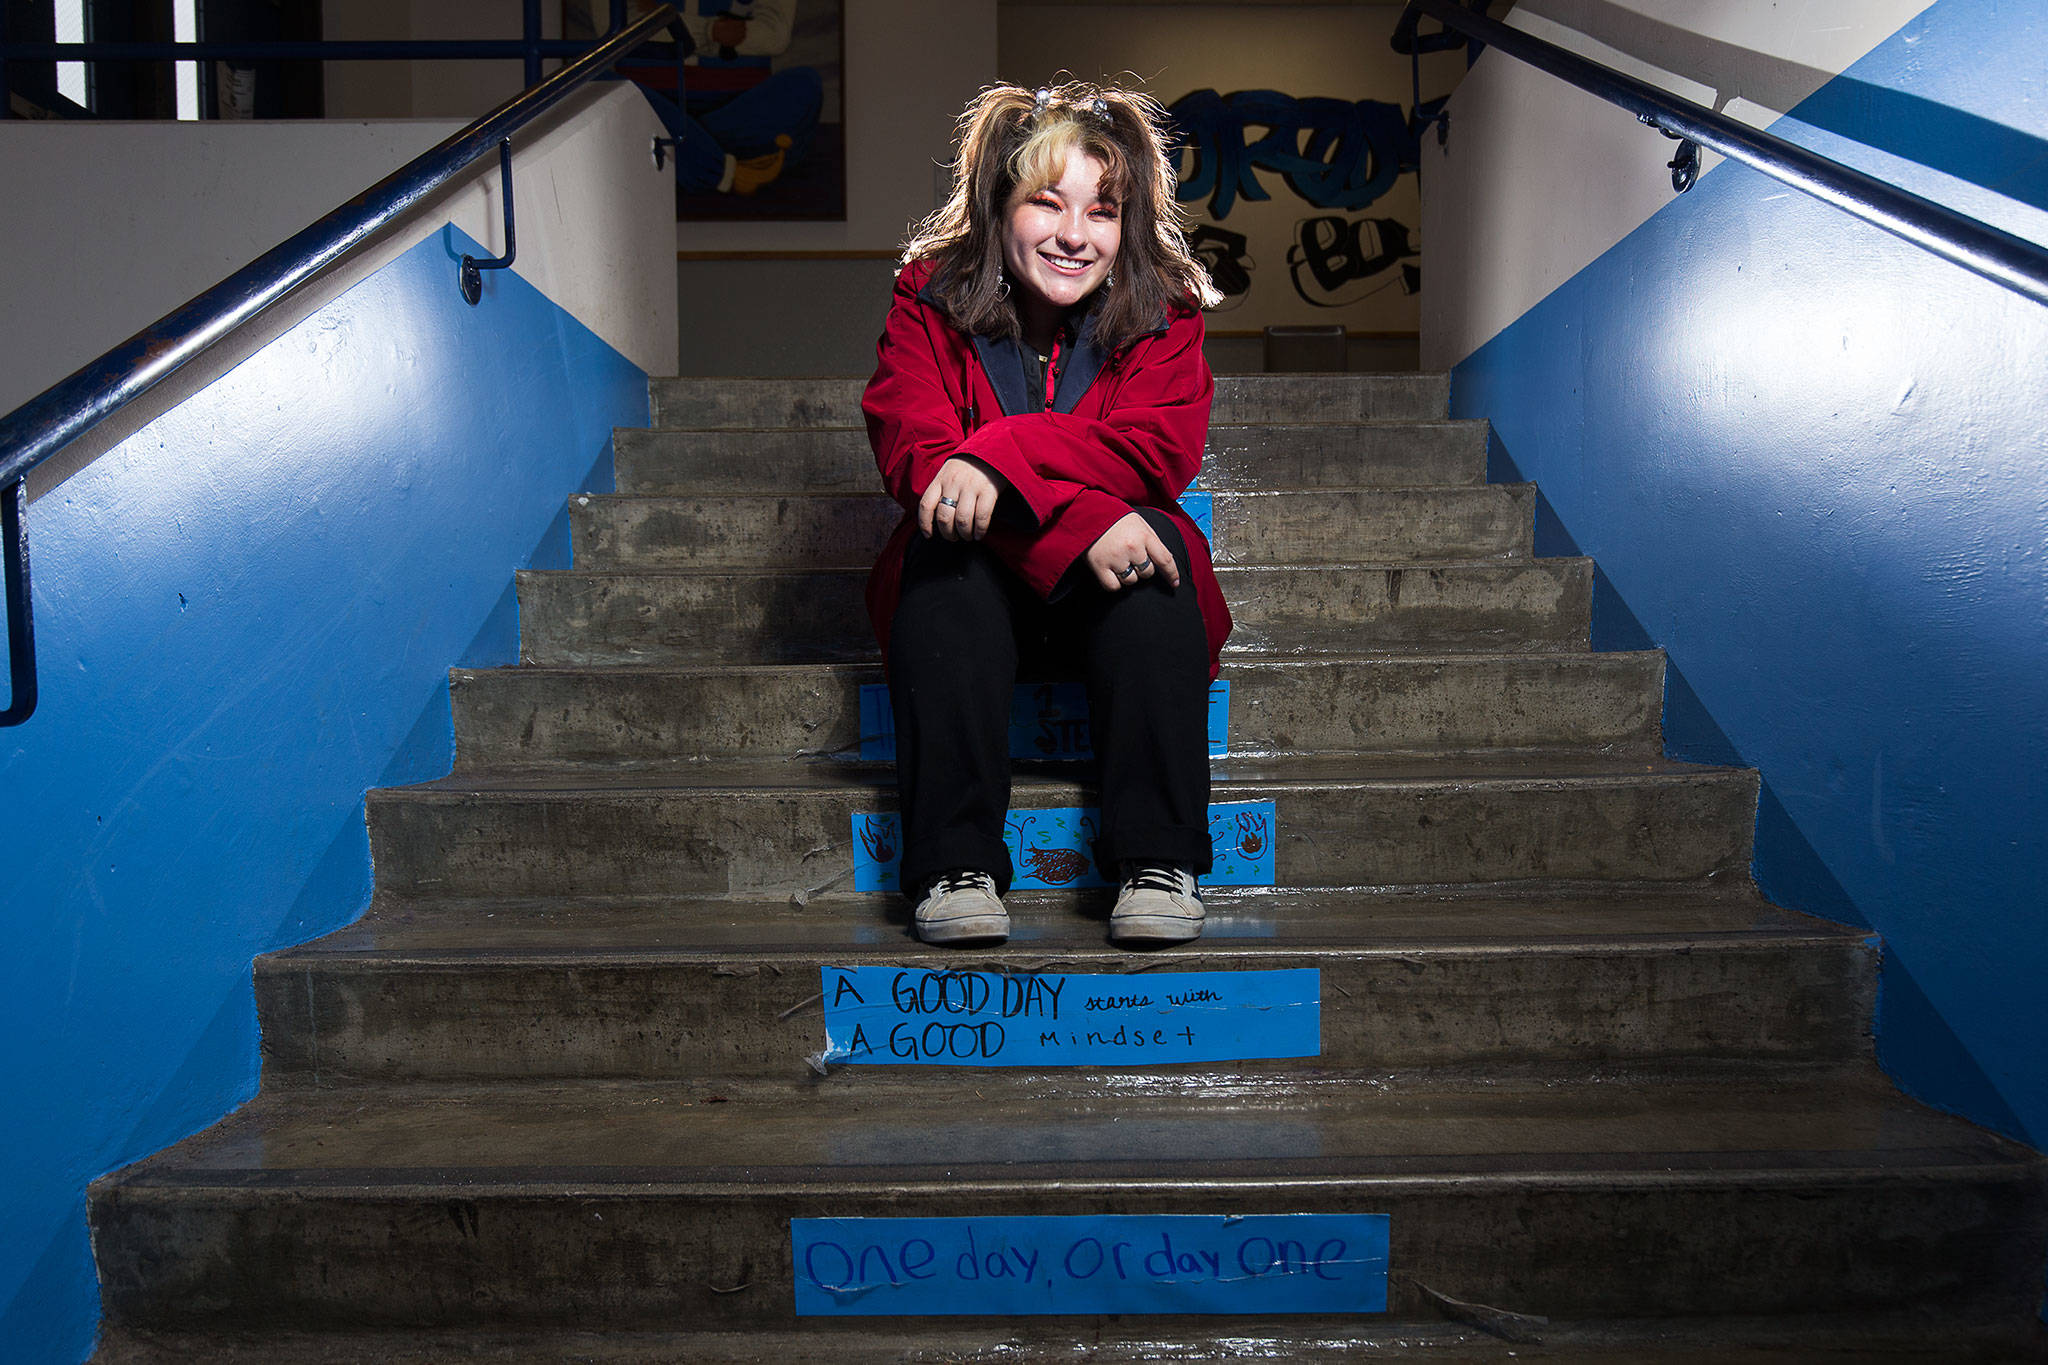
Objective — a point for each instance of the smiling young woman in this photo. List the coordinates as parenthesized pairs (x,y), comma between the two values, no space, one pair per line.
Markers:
(1061,246)
(1039,404)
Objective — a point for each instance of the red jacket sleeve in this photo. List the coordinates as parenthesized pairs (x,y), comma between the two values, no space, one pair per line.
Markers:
(917,412)
(1143,451)
(916,417)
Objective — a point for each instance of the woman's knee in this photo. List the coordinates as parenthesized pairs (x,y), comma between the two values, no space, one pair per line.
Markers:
(1163,617)
(953,601)
(951,576)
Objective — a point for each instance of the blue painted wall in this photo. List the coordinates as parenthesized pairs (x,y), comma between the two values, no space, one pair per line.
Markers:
(1811,463)
(246,615)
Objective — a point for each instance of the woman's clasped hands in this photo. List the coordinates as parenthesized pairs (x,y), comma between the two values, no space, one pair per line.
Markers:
(960,502)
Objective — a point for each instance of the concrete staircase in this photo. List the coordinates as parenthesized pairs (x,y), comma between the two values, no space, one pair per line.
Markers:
(550,1098)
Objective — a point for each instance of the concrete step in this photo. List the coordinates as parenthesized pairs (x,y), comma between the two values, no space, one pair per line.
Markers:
(839,460)
(604,1207)
(530,716)
(701,989)
(1871,1338)
(774,828)
(805,616)
(724,402)
(847,531)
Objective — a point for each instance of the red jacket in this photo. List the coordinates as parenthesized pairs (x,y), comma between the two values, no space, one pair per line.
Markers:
(1129,433)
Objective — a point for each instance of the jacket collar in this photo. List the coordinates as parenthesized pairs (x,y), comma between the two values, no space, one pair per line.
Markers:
(1002,360)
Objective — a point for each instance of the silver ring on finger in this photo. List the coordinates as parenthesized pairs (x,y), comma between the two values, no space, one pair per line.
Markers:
(1143,566)
(1129,571)
(949,502)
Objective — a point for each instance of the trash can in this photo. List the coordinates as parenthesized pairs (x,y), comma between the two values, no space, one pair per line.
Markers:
(1292,350)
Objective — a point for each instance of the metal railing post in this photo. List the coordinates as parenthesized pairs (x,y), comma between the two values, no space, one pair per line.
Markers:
(21,628)
(471,276)
(66,410)
(532,35)
(1997,255)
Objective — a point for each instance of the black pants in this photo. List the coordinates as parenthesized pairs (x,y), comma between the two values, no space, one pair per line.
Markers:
(966,630)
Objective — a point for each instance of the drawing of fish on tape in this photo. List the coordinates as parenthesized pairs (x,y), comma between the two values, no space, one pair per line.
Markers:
(1052,848)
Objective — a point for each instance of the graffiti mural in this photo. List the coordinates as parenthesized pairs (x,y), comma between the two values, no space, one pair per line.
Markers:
(1337,261)
(1336,154)
(1332,154)
(1298,131)
(1223,254)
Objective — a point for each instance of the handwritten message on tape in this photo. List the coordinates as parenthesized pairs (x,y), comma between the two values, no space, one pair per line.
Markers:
(912,1016)
(1047,720)
(1056,846)
(1095,1263)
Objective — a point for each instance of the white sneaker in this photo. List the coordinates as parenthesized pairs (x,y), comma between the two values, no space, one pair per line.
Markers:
(1156,905)
(962,907)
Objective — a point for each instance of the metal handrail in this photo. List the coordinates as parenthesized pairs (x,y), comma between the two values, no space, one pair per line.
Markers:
(1997,255)
(68,409)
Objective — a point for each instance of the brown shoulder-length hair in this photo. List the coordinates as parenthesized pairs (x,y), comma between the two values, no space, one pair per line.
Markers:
(1013,143)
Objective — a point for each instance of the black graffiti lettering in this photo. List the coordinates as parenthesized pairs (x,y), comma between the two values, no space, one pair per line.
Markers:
(1336,154)
(1333,260)
(1222,253)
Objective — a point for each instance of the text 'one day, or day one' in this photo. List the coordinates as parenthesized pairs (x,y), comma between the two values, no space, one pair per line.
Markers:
(1099,1263)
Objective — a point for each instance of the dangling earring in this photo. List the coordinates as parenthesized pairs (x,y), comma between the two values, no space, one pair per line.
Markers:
(1109,280)
(1003,290)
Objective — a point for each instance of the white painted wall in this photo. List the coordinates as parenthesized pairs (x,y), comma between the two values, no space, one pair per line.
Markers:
(1540,178)
(111,225)
(117,224)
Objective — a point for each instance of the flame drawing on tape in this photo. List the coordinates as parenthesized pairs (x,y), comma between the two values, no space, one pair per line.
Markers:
(1251,834)
(878,837)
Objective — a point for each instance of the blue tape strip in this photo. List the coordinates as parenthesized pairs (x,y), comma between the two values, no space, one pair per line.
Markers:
(912,1016)
(1200,505)
(1047,720)
(1055,847)
(1219,718)
(1092,1263)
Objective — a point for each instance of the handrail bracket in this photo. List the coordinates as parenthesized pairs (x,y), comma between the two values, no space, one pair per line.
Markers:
(1685,164)
(472,267)
(21,630)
